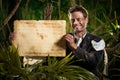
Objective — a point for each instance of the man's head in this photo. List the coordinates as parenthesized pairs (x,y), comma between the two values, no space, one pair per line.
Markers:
(79,18)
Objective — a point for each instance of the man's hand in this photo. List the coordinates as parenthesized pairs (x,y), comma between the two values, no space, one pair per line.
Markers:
(70,39)
(12,36)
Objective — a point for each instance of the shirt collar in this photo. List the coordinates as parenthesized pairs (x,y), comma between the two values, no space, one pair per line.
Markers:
(80,39)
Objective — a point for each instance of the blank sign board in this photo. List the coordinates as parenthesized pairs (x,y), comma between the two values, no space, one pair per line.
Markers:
(40,38)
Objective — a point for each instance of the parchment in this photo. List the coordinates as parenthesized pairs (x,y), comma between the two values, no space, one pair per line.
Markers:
(40,38)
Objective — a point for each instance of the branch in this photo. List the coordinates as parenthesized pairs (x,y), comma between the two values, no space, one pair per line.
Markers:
(72,3)
(1,4)
(10,15)
(103,26)
(27,2)
(117,47)
(59,9)
(110,8)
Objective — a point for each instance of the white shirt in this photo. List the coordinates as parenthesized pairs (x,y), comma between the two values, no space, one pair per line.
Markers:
(80,39)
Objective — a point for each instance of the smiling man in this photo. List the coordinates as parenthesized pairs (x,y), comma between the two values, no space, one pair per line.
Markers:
(83,45)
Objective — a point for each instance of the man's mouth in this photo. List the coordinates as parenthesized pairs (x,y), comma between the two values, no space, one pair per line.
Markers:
(78,26)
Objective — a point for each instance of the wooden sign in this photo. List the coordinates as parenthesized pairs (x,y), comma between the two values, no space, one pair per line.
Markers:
(40,38)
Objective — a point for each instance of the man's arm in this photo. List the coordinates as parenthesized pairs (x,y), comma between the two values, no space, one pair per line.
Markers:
(92,58)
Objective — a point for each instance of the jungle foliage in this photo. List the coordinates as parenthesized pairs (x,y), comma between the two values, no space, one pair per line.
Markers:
(104,19)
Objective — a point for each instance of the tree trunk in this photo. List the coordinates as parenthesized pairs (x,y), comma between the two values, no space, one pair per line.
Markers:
(12,11)
(48,11)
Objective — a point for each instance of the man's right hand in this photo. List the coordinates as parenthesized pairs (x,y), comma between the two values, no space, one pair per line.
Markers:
(69,38)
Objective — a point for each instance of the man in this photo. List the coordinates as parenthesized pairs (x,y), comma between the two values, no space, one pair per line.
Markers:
(88,49)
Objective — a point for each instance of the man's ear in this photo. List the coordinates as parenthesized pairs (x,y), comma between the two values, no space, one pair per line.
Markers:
(86,20)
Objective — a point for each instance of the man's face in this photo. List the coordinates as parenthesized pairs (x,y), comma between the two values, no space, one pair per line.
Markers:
(78,21)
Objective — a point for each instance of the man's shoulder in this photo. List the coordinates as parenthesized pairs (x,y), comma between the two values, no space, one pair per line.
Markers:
(93,37)
(97,42)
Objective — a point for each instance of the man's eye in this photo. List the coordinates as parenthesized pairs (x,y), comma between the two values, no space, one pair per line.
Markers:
(72,20)
(78,19)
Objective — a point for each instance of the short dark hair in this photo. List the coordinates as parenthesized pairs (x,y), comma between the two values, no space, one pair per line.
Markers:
(80,9)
